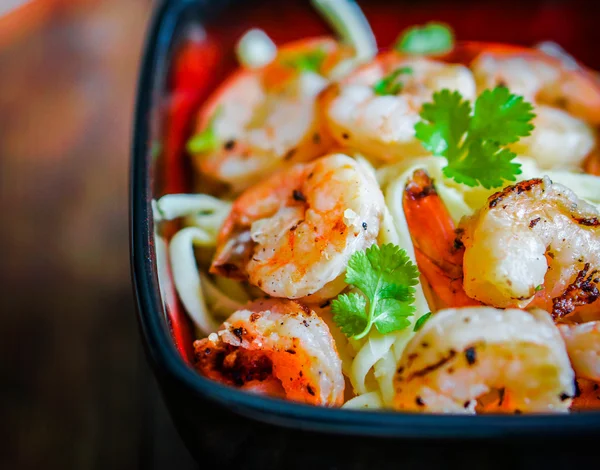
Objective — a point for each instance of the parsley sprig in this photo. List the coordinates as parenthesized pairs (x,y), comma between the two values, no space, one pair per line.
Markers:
(385,276)
(474,143)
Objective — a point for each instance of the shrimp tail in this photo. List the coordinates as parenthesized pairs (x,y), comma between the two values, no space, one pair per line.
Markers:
(438,250)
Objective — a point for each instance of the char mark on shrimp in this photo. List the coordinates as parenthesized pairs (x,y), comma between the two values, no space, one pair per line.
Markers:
(433,367)
(518,188)
(587,221)
(582,291)
(421,186)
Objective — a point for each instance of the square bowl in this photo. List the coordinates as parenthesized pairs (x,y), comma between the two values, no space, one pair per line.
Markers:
(218,422)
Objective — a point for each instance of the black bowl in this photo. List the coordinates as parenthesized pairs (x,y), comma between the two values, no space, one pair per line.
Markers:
(223,425)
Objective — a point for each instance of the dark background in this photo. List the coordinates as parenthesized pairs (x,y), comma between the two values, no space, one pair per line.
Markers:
(76,391)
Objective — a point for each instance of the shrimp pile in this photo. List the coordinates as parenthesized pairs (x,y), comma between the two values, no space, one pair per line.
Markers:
(309,164)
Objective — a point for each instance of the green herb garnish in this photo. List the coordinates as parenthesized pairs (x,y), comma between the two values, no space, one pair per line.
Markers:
(310,61)
(205,140)
(421,321)
(384,275)
(539,288)
(433,38)
(389,85)
(473,144)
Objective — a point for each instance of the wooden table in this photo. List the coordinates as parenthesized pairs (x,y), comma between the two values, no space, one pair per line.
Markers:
(76,388)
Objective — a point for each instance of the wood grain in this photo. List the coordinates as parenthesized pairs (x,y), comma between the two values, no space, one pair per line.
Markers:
(75,387)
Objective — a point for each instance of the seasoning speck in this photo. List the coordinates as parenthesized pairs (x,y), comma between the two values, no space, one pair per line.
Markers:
(470,355)
(298,196)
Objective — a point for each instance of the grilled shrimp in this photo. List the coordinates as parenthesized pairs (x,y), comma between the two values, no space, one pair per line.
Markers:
(262,119)
(275,347)
(460,356)
(383,126)
(558,140)
(567,103)
(293,234)
(583,347)
(535,238)
(541,79)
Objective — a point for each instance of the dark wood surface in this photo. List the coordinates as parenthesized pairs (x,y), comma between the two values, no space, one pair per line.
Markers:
(76,392)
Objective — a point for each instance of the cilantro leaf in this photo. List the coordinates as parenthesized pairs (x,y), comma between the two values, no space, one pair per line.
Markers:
(432,38)
(389,85)
(206,140)
(385,276)
(392,315)
(349,312)
(421,321)
(473,144)
(310,61)
(502,117)
(487,165)
(445,121)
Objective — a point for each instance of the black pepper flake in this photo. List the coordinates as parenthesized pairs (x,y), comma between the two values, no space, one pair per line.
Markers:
(305,323)
(470,355)
(534,222)
(577,390)
(239,332)
(310,390)
(400,370)
(564,396)
(290,351)
(596,387)
(325,304)
(229,144)
(345,136)
(518,412)
(298,196)
(316,138)
(301,374)
(419,401)
(424,344)
(466,404)
(364,225)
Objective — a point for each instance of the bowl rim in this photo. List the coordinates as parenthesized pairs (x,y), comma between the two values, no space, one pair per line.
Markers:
(170,366)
